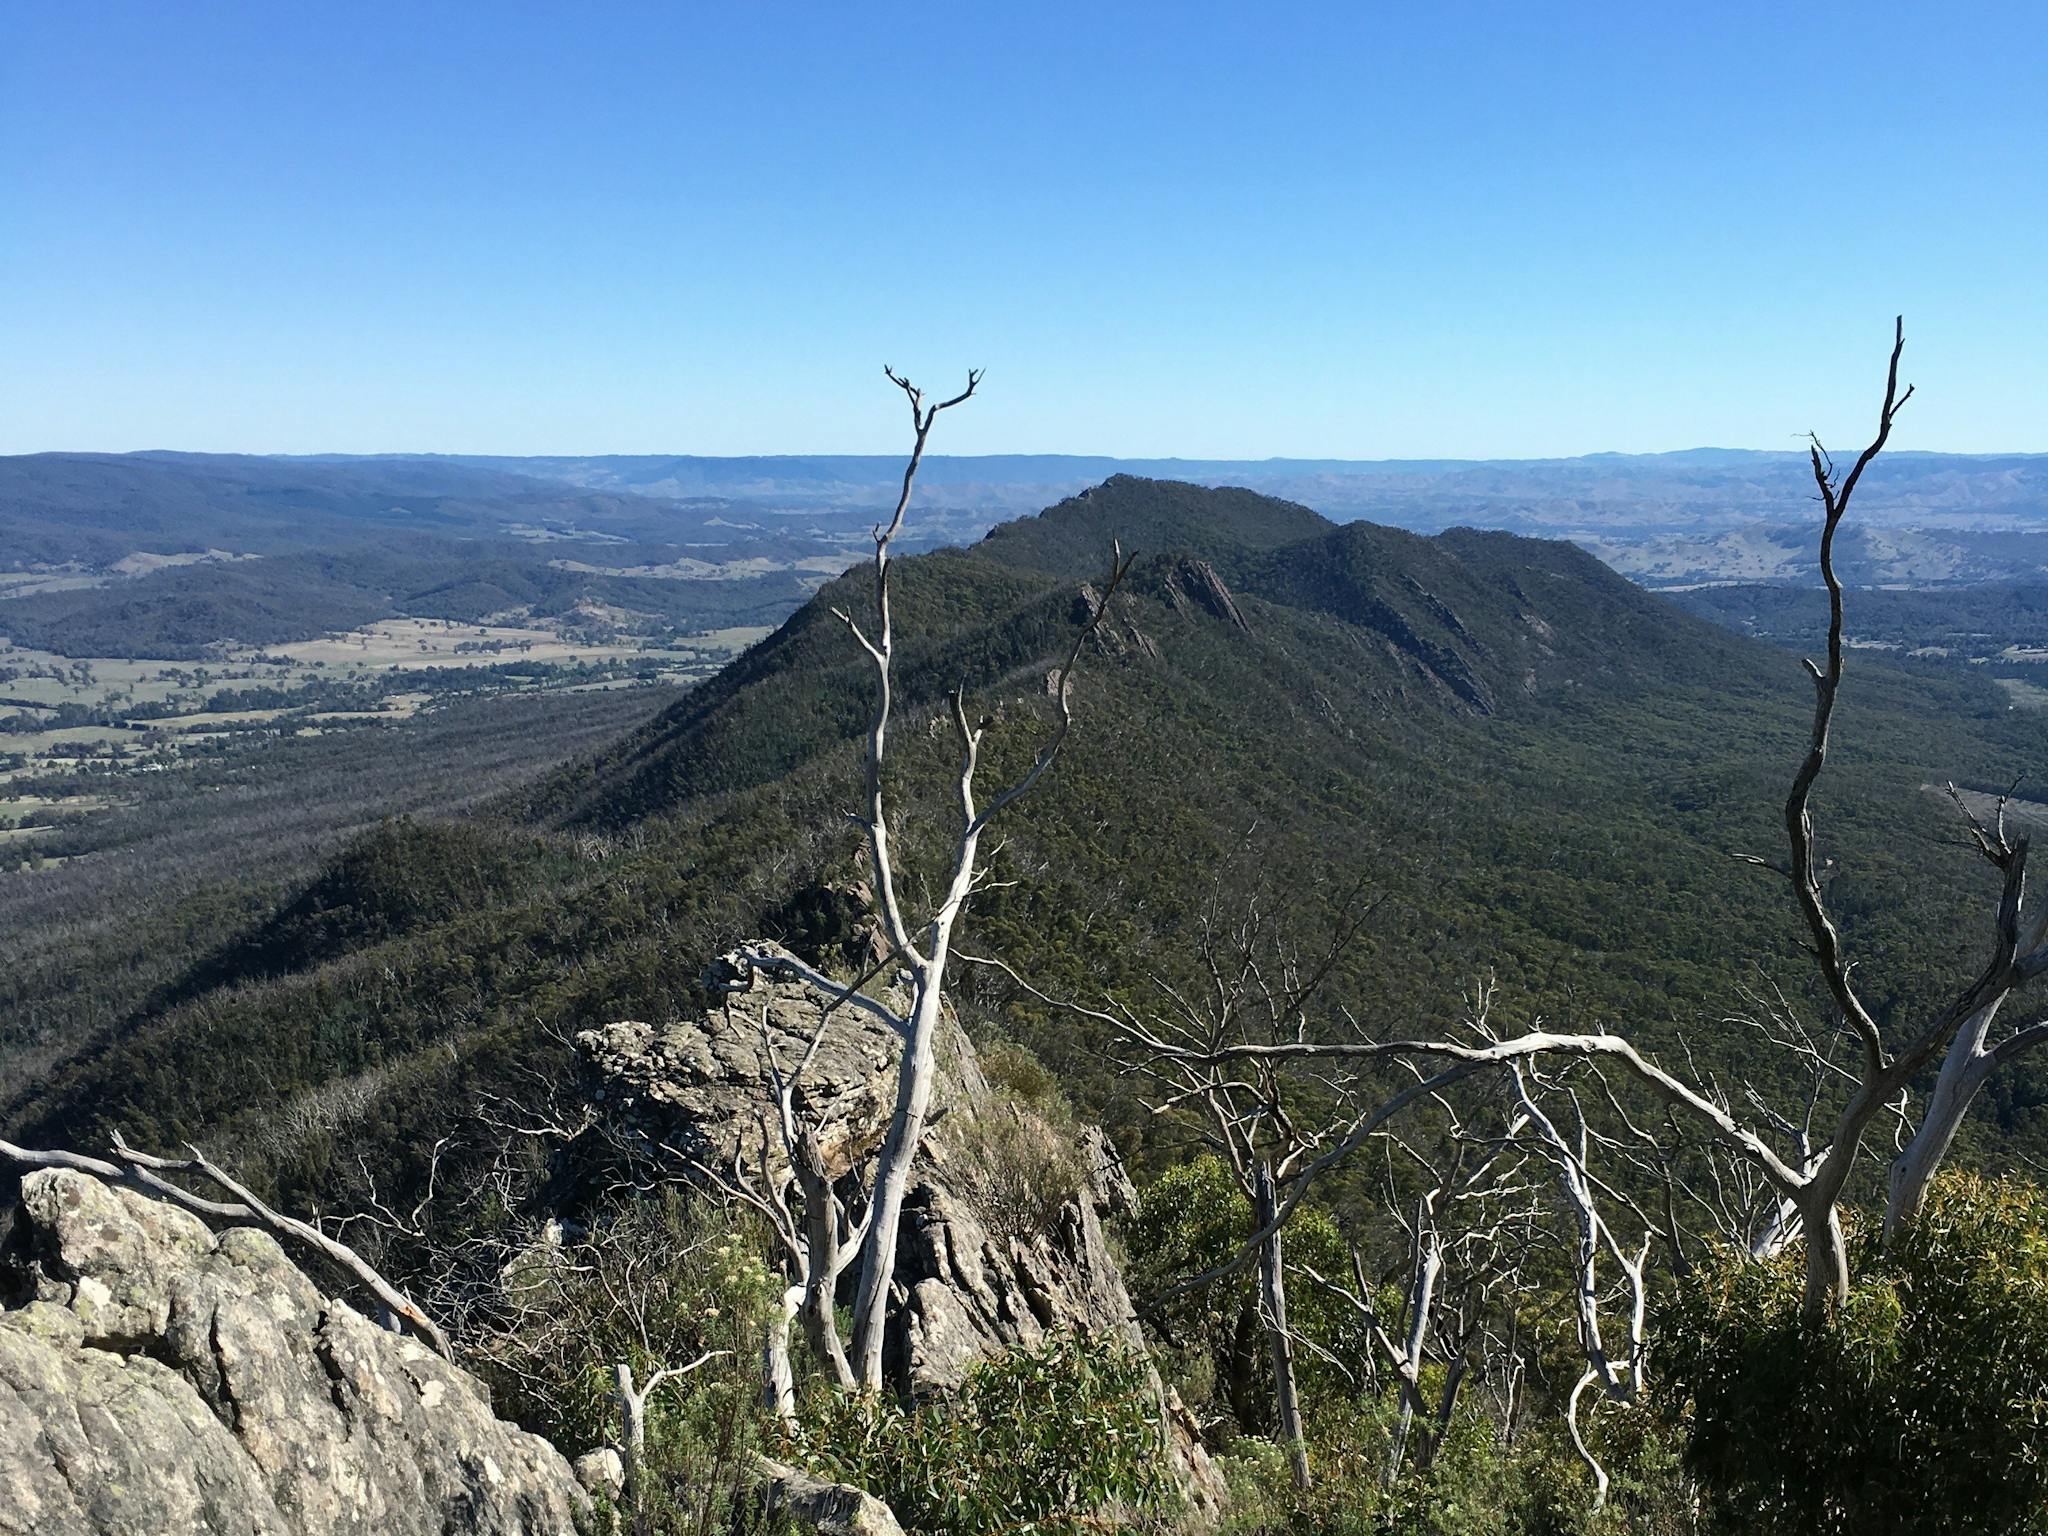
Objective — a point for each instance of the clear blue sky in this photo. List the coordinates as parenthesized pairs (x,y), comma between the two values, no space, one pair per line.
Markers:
(1360,230)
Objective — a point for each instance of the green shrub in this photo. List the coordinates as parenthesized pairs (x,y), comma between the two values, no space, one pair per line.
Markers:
(656,1281)
(1479,1484)
(1017,1069)
(1922,1407)
(1021,1167)
(1193,1218)
(1050,1439)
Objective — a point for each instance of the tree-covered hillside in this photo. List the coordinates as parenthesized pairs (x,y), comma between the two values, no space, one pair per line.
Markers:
(1540,770)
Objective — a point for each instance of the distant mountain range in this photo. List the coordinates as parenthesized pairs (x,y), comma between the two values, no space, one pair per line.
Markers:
(147,553)
(1540,766)
(1700,515)
(1623,490)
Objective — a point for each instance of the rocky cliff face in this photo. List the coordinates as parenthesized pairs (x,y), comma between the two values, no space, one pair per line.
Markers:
(990,1256)
(158,1379)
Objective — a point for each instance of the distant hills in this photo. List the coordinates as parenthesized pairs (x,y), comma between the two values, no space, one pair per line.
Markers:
(1615,491)
(1538,768)
(164,555)
(148,554)
(1673,506)
(1728,481)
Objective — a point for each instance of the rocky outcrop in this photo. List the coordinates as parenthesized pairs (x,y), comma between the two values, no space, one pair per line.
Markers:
(975,1280)
(1192,584)
(1002,1238)
(1114,634)
(700,1085)
(158,1379)
(967,1288)
(830,1509)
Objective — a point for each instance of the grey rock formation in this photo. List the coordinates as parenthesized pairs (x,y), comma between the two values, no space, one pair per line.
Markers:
(1114,635)
(971,1278)
(602,1471)
(831,1509)
(700,1086)
(1191,584)
(161,1379)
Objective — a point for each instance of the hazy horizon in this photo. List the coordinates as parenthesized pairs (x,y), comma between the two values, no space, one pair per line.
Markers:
(895,460)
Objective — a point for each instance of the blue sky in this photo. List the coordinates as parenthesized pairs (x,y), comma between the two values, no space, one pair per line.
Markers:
(1363,230)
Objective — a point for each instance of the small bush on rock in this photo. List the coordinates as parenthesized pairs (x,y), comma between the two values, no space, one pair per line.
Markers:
(1022,1168)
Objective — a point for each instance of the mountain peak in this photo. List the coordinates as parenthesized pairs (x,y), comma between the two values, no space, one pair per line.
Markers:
(1224,525)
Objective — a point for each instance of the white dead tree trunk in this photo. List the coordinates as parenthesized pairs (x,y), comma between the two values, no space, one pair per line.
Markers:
(815,1233)
(1961,1030)
(632,1405)
(1973,1055)
(1292,1431)
(1468,1232)
(1622,1381)
(923,954)
(1812,1181)
(147,1173)
(1252,988)
(1409,1355)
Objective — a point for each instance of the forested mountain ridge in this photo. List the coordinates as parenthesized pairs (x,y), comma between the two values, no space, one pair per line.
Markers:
(1467,619)
(1229,526)
(1541,767)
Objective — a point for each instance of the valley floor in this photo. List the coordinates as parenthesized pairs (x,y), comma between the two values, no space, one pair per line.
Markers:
(105,722)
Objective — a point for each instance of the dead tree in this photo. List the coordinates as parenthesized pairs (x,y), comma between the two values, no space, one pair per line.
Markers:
(548,1302)
(1810,1181)
(531,1299)
(632,1403)
(780,1175)
(1466,1233)
(924,953)
(1963,1024)
(1961,1032)
(815,1232)
(148,1173)
(1263,1125)
(1973,1053)
(1622,1380)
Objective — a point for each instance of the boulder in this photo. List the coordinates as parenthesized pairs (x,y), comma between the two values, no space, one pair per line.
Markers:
(830,1509)
(158,1379)
(602,1471)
